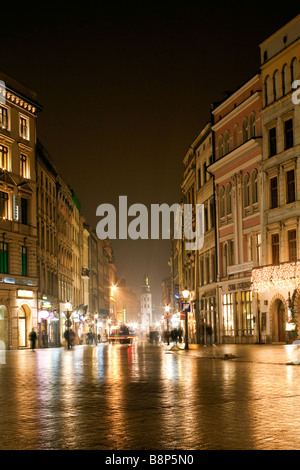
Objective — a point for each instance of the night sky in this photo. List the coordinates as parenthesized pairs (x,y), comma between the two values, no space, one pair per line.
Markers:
(125,89)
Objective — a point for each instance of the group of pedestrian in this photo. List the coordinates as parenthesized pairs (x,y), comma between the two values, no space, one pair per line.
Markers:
(174,335)
(91,338)
(69,336)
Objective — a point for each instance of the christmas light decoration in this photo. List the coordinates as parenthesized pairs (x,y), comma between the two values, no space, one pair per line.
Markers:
(282,276)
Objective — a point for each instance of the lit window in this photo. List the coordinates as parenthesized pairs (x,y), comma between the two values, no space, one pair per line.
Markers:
(24,166)
(246,304)
(24,127)
(228,314)
(3,157)
(3,117)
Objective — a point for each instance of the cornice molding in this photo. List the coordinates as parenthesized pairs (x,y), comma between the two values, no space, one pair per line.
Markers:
(13,98)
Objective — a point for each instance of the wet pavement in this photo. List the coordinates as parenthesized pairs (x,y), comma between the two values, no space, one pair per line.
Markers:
(148,397)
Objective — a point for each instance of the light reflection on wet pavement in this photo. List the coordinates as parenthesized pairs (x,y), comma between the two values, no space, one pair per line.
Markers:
(120,397)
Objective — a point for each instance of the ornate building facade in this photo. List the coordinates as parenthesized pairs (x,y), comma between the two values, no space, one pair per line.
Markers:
(276,282)
(18,221)
(237,133)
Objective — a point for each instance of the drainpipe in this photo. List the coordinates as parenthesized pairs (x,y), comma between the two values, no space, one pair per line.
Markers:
(215,228)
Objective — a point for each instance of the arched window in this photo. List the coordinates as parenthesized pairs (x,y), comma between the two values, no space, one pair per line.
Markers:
(245,130)
(252,126)
(222,202)
(228,199)
(246,190)
(285,80)
(276,85)
(267,90)
(235,136)
(221,150)
(254,186)
(294,70)
(226,142)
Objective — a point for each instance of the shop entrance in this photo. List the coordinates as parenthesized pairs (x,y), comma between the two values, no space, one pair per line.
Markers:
(278,322)
(23,320)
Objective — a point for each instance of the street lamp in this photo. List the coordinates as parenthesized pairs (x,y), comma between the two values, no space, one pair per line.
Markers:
(108,328)
(186,294)
(68,321)
(167,309)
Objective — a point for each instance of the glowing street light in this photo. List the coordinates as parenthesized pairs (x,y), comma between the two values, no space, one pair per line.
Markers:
(167,309)
(186,293)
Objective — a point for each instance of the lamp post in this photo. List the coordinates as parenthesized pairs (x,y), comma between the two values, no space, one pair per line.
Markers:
(167,309)
(108,327)
(186,294)
(96,327)
(68,321)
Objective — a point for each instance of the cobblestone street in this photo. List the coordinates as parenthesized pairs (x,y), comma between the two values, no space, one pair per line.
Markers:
(149,397)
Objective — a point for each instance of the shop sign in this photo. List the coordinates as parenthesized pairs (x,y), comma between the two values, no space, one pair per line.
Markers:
(185,307)
(239,268)
(43,315)
(25,294)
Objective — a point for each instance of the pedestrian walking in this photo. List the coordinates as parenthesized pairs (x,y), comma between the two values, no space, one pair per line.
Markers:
(174,335)
(72,338)
(32,339)
(67,338)
(180,333)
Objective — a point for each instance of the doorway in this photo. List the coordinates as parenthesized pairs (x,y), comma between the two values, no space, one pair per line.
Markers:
(23,321)
(278,322)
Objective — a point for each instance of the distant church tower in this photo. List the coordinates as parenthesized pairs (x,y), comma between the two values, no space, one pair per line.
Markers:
(146,306)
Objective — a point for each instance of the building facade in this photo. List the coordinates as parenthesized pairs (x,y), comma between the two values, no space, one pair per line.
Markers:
(276,281)
(237,133)
(18,221)
(189,257)
(47,261)
(207,300)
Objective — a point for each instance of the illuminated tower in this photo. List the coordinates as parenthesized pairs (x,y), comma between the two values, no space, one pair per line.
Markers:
(146,306)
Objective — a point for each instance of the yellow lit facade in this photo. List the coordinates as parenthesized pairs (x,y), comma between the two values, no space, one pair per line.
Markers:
(276,281)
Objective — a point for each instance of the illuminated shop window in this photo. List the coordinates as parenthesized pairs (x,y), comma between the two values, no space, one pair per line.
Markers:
(228,315)
(246,304)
